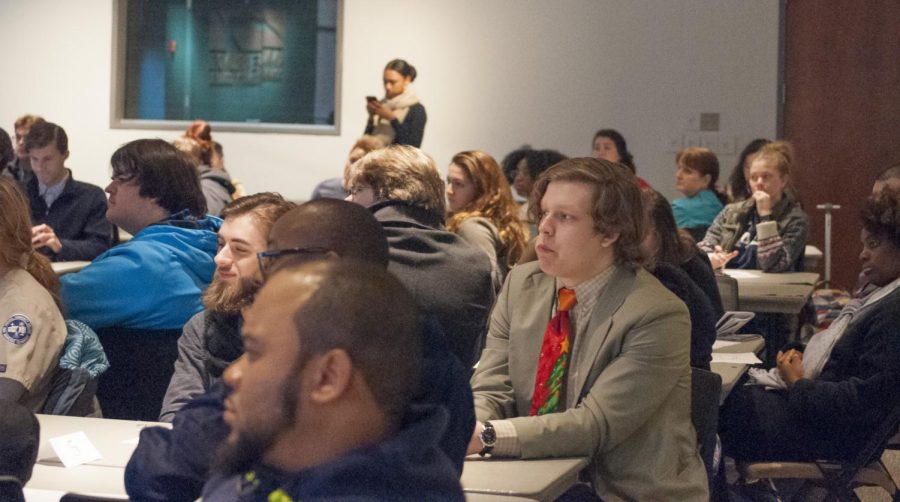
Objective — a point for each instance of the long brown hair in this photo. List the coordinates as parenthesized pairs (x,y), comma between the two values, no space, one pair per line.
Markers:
(493,201)
(15,234)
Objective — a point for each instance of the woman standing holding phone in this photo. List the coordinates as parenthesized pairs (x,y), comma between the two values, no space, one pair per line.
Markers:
(399,118)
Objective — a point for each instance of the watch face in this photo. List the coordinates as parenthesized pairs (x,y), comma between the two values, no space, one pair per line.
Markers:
(488,436)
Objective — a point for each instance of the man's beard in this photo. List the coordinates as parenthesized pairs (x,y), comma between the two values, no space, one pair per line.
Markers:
(246,451)
(230,298)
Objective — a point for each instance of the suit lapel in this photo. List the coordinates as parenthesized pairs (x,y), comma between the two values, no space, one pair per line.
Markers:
(537,295)
(611,297)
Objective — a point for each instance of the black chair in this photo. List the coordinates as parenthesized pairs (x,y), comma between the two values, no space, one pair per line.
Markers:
(141,364)
(839,478)
(706,391)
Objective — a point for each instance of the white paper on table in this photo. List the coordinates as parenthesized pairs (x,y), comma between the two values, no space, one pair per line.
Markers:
(735,358)
(133,440)
(40,495)
(742,274)
(74,449)
(720,344)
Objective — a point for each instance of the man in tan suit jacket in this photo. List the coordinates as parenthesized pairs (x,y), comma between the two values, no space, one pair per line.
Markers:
(625,399)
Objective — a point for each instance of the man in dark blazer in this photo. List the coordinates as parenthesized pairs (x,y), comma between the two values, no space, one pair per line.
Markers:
(619,389)
(449,278)
(69,216)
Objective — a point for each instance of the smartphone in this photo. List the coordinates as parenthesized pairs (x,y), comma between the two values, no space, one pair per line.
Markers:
(371,98)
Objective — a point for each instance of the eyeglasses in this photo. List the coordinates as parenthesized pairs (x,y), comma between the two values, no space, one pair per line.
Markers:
(268,258)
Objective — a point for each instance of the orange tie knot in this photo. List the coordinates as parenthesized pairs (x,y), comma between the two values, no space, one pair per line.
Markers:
(566,299)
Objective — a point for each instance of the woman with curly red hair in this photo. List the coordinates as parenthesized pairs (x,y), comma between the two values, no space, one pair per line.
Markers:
(483,212)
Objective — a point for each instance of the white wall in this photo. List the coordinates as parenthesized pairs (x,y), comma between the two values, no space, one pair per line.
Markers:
(492,74)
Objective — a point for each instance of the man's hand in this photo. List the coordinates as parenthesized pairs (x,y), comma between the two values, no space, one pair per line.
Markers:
(475,444)
(719,258)
(43,235)
(790,365)
(763,203)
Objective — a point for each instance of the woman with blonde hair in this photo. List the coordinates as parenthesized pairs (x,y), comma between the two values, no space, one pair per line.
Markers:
(31,325)
(768,230)
(483,212)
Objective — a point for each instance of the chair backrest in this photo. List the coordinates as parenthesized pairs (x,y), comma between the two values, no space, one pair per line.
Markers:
(706,387)
(728,290)
(142,362)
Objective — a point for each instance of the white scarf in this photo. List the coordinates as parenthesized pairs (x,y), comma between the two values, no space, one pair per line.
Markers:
(399,104)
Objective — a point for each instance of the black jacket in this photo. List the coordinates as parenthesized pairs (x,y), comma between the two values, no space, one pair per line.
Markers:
(449,278)
(78,217)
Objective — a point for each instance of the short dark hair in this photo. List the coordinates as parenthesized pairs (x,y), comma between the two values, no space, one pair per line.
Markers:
(19,441)
(403,68)
(702,160)
(617,206)
(163,174)
(625,157)
(881,216)
(43,133)
(539,161)
(377,327)
(349,230)
(511,161)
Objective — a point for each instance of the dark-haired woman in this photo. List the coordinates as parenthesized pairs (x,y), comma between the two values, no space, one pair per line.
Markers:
(738,183)
(530,165)
(399,118)
(610,145)
(32,327)
(697,170)
(677,263)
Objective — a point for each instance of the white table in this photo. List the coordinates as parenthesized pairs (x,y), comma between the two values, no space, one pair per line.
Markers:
(115,439)
(784,293)
(538,479)
(67,267)
(731,373)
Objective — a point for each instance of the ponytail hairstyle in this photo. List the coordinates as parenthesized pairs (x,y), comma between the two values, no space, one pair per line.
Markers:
(781,155)
(201,133)
(403,68)
(15,234)
(493,201)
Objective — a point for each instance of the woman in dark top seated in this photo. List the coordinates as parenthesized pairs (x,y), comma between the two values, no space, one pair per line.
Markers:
(399,118)
(832,415)
(669,251)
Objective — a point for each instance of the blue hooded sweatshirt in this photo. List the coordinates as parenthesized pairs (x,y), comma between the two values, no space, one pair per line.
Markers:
(153,281)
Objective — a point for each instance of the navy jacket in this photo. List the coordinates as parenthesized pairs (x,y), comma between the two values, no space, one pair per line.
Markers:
(174,464)
(78,217)
(407,466)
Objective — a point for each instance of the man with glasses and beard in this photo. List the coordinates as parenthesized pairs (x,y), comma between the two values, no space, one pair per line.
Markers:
(211,339)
